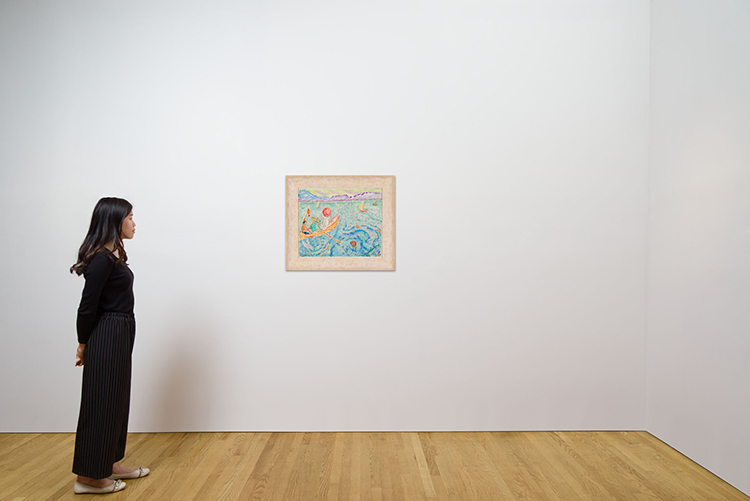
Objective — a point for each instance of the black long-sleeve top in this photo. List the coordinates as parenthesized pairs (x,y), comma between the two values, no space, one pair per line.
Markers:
(108,288)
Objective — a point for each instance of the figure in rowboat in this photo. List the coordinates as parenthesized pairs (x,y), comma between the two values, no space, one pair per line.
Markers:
(314,223)
(304,229)
(314,229)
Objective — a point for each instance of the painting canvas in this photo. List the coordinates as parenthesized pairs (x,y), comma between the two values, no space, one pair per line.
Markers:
(340,222)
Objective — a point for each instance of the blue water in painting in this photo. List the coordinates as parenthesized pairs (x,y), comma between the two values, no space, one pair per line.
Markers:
(358,233)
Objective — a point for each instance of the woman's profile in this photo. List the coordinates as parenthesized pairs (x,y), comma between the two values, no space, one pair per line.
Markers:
(106,333)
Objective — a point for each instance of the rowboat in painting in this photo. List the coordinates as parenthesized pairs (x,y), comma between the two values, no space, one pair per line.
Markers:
(324,231)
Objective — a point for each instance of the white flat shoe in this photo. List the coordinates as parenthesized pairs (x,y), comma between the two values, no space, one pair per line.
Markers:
(80,488)
(140,472)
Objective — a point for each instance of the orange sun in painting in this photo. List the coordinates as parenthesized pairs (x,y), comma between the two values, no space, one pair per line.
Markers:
(354,243)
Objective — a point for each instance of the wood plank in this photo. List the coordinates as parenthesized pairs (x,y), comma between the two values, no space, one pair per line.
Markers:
(447,462)
(423,469)
(521,477)
(336,467)
(477,469)
(430,453)
(243,460)
(561,478)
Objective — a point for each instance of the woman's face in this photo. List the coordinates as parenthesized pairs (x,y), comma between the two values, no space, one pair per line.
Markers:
(128,227)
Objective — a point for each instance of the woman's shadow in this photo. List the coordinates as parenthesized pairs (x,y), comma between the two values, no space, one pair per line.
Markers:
(181,395)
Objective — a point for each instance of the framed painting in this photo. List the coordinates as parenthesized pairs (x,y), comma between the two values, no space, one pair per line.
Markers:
(340,223)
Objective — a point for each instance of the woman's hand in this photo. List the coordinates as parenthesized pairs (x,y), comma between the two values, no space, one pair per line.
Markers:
(80,354)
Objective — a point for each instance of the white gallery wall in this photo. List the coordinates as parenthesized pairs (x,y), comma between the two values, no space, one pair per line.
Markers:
(699,233)
(518,135)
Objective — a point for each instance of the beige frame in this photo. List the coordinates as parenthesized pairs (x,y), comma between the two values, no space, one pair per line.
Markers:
(387,260)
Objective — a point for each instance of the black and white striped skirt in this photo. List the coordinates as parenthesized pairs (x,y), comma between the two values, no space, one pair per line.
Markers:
(105,397)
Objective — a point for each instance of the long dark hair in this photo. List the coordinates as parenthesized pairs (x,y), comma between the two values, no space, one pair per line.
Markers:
(106,224)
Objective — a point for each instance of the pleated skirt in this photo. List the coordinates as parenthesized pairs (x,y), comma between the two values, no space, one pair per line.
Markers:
(105,396)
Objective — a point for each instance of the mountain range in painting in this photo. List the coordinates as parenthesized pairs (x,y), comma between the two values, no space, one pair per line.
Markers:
(307,196)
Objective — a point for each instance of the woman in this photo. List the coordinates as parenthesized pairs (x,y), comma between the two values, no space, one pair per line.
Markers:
(106,332)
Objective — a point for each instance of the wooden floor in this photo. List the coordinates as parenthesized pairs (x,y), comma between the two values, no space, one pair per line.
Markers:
(373,466)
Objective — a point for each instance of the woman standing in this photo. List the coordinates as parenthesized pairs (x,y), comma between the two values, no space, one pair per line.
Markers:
(106,332)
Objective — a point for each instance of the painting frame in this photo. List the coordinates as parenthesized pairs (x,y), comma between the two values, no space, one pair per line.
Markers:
(386,261)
